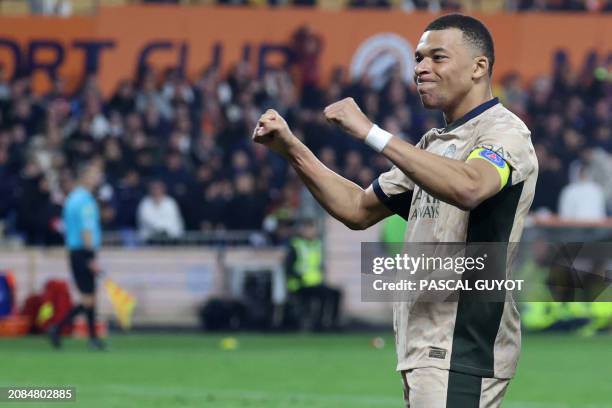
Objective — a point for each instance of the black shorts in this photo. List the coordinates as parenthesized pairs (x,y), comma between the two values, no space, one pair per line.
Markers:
(83,275)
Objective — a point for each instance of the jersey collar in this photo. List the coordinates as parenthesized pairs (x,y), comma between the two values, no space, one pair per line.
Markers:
(82,189)
(471,114)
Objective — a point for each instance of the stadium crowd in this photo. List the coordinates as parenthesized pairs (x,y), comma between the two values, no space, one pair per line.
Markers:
(65,7)
(489,6)
(186,143)
(438,5)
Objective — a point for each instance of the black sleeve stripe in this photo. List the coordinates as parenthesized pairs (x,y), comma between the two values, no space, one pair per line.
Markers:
(379,192)
(398,204)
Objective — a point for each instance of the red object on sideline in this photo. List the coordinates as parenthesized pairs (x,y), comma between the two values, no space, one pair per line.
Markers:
(30,310)
(56,291)
(10,278)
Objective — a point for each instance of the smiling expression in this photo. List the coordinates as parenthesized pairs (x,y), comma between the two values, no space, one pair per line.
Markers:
(445,68)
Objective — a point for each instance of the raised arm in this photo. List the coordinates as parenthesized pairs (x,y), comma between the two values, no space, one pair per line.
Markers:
(462,184)
(344,200)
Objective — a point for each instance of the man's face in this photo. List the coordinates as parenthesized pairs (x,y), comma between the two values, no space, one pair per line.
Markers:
(157,190)
(94,175)
(444,66)
(309,231)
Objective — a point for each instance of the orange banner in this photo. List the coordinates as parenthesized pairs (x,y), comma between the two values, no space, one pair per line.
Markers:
(118,39)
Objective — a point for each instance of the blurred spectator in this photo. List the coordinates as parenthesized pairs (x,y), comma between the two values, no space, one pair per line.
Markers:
(213,205)
(51,7)
(582,199)
(306,48)
(148,94)
(38,214)
(180,181)
(124,99)
(247,207)
(551,179)
(159,218)
(554,5)
(5,88)
(599,164)
(130,192)
(370,3)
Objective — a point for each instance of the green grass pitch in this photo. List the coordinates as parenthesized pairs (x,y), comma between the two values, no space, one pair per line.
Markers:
(273,371)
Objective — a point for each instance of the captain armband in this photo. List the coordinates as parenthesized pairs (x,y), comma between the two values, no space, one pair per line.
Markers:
(496,160)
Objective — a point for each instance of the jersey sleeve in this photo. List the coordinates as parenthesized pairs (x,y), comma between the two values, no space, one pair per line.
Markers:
(87,216)
(394,189)
(510,142)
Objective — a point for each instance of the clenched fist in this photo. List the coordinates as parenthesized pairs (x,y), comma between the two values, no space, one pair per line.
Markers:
(272,131)
(349,117)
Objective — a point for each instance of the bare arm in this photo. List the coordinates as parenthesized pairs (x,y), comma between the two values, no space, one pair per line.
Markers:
(344,200)
(87,238)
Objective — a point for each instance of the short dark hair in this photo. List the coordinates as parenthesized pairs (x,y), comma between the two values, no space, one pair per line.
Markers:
(474,31)
(81,168)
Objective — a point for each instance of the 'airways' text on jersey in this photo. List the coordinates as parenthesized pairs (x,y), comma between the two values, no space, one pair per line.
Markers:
(424,206)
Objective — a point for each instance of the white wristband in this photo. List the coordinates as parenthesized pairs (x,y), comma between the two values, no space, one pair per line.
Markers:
(378,138)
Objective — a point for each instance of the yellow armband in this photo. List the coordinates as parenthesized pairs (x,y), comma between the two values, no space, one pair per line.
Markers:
(496,160)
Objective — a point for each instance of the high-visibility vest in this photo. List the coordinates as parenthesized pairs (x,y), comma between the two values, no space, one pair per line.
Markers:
(392,234)
(307,261)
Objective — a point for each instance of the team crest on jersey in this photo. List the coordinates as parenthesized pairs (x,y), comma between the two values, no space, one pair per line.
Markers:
(450,151)
(493,157)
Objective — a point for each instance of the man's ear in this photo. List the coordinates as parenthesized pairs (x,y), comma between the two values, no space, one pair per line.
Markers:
(481,67)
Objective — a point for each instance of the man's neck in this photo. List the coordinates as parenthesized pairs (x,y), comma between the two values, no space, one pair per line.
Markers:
(469,102)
